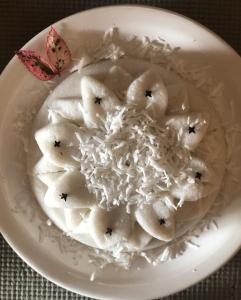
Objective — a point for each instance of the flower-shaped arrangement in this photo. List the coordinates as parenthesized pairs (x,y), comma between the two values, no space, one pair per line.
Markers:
(121,165)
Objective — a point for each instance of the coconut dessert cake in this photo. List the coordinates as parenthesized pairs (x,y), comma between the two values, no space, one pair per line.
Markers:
(126,154)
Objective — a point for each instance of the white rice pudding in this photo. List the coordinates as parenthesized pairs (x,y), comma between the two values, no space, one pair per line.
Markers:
(126,154)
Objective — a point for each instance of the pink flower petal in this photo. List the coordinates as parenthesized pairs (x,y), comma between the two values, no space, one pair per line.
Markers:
(36,65)
(57,50)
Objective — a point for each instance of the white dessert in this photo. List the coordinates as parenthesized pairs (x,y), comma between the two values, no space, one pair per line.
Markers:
(127,154)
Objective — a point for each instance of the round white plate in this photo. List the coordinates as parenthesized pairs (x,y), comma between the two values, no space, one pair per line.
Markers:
(52,257)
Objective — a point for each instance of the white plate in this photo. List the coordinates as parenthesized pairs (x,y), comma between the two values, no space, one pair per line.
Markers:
(198,44)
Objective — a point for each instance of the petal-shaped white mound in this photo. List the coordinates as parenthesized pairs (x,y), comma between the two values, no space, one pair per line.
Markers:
(59,144)
(109,228)
(148,91)
(157,220)
(69,191)
(97,99)
(139,238)
(68,109)
(196,182)
(118,80)
(190,129)
(46,171)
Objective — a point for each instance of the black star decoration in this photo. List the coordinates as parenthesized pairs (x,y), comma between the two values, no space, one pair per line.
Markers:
(162,221)
(148,93)
(57,143)
(191,129)
(108,231)
(63,196)
(98,100)
(198,175)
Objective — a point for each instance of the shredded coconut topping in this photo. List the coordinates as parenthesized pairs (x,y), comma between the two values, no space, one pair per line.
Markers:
(130,159)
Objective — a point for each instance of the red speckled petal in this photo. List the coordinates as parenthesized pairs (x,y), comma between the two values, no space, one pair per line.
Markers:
(36,65)
(57,50)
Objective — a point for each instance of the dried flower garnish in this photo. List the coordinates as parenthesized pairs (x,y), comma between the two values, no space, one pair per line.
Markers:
(57,143)
(98,100)
(63,196)
(198,175)
(57,50)
(58,53)
(36,65)
(108,231)
(191,129)
(162,221)
(148,93)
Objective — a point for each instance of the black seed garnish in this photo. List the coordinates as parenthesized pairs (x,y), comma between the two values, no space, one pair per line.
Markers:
(98,100)
(53,49)
(198,175)
(63,196)
(59,48)
(57,143)
(108,231)
(127,163)
(162,221)
(148,93)
(191,129)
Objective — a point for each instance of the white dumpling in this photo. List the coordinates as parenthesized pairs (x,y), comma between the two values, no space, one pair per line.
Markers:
(68,109)
(157,220)
(190,129)
(196,182)
(109,228)
(46,171)
(69,191)
(118,80)
(97,99)
(149,92)
(59,144)
(139,238)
